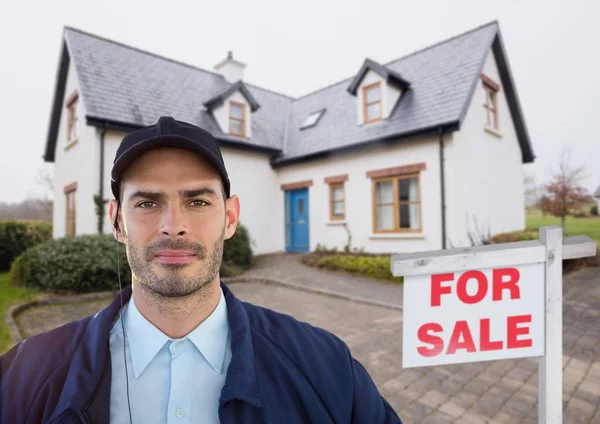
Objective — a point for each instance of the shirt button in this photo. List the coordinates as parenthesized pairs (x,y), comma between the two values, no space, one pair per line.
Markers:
(179,412)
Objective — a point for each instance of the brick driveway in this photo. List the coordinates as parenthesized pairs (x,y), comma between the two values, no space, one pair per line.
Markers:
(495,392)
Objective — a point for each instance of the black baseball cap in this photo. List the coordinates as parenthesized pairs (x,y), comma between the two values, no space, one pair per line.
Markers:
(167,132)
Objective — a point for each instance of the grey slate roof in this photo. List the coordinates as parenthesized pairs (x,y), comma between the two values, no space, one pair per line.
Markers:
(387,74)
(597,193)
(441,79)
(121,84)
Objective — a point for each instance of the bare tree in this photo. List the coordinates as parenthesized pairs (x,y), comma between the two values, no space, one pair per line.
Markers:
(44,179)
(564,195)
(533,191)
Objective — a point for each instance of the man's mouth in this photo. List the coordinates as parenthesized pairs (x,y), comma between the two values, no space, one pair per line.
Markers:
(174,256)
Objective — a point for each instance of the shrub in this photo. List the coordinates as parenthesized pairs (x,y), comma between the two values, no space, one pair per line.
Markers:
(529,234)
(18,236)
(74,264)
(89,263)
(370,266)
(594,210)
(237,250)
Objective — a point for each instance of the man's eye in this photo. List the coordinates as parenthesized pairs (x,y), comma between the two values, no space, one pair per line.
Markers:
(145,205)
(199,203)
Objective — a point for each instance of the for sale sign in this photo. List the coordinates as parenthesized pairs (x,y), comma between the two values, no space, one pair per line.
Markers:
(474,315)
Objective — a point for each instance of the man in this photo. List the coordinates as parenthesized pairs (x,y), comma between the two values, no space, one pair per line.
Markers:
(178,346)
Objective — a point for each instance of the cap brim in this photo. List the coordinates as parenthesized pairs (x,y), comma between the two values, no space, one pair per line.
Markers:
(134,153)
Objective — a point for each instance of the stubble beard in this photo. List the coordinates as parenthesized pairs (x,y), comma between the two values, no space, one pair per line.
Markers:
(172,283)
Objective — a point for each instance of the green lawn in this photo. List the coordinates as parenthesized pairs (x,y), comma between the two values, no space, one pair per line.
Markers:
(573,226)
(10,296)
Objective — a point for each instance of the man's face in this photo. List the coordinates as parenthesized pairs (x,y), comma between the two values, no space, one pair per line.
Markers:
(174,221)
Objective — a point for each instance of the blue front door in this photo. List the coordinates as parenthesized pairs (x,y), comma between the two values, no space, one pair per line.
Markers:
(296,220)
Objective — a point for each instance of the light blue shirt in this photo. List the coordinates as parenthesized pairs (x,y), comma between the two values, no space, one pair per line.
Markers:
(170,380)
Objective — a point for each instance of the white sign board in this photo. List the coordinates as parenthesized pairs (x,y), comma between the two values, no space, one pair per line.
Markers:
(474,315)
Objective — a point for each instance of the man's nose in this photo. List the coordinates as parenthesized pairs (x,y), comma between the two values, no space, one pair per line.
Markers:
(174,222)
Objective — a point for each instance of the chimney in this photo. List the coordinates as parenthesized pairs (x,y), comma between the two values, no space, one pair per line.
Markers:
(231,69)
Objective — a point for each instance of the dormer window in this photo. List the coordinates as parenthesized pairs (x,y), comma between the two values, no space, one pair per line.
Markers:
(372,103)
(378,90)
(237,119)
(312,119)
(232,108)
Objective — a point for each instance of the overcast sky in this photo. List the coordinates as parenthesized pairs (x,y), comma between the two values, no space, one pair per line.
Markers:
(295,47)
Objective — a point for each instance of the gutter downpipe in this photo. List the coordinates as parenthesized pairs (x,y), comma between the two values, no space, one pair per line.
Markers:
(101,189)
(443,188)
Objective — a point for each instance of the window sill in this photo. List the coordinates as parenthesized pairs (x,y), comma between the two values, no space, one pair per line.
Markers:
(333,223)
(398,236)
(492,131)
(372,123)
(71,144)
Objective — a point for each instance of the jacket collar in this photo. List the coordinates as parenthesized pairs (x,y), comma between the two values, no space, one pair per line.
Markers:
(91,353)
(240,382)
(89,359)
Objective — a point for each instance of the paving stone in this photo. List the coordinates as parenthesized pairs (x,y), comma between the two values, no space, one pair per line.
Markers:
(434,398)
(471,418)
(465,399)
(588,392)
(439,418)
(452,409)
(503,418)
(581,407)
(418,411)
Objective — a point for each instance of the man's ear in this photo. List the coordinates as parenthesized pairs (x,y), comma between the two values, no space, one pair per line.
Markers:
(232,215)
(112,212)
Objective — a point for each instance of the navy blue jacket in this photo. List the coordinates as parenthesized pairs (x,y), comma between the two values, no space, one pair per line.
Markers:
(281,371)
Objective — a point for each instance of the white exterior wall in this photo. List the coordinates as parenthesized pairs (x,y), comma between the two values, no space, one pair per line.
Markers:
(484,171)
(221,113)
(358,191)
(261,200)
(76,164)
(389,96)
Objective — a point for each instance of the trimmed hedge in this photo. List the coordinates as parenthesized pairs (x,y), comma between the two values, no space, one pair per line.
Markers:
(75,264)
(89,263)
(237,250)
(529,234)
(377,267)
(18,236)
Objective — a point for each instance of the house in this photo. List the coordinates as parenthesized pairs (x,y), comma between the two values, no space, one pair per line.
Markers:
(410,155)
(597,197)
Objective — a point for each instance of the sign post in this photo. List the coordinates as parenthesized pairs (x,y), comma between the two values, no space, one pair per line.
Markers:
(491,302)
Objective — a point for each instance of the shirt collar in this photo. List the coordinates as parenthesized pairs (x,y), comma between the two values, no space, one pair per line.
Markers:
(211,337)
(145,340)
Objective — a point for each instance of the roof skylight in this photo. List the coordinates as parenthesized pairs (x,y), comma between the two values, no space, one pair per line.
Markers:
(312,119)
